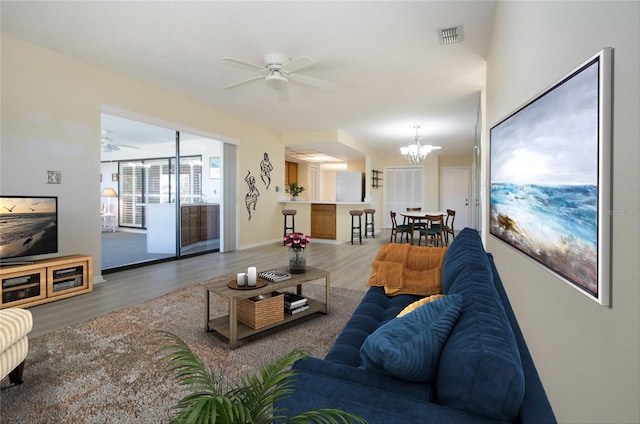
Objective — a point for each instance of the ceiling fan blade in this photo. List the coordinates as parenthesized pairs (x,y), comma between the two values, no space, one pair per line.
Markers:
(127,146)
(298,64)
(243,82)
(313,82)
(243,63)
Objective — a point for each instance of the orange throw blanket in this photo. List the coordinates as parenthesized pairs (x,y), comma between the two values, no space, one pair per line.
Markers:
(407,269)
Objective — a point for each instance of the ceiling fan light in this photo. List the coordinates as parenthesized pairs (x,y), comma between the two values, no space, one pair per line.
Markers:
(276,81)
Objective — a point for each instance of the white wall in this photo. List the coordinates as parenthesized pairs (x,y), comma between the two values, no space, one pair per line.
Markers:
(587,354)
(51,120)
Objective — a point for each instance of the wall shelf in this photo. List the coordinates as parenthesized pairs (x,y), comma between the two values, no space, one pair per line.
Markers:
(376,178)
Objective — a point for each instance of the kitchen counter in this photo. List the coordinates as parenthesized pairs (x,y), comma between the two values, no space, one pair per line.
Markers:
(322,202)
(330,225)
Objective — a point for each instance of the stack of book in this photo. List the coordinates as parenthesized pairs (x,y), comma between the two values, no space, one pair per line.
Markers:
(294,303)
(275,275)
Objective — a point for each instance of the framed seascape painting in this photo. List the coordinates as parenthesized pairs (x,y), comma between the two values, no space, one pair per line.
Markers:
(550,178)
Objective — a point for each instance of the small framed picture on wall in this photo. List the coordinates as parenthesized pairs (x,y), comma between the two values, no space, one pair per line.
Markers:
(214,167)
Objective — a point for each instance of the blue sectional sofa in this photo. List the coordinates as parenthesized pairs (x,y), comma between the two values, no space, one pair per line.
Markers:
(484,372)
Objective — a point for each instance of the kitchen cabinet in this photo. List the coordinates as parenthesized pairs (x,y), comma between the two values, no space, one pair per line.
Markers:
(199,223)
(323,221)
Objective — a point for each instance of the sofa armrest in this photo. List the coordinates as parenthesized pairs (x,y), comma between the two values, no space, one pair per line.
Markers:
(316,386)
(16,323)
(535,407)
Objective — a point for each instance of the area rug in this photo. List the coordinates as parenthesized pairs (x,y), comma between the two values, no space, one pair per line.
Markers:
(107,370)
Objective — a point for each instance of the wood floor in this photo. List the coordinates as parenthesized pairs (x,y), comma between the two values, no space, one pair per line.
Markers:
(349,265)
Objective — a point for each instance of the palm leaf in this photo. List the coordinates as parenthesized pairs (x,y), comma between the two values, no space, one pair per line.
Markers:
(205,402)
(187,368)
(274,382)
(326,416)
(252,402)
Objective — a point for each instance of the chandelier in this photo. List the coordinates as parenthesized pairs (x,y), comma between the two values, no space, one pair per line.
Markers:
(416,153)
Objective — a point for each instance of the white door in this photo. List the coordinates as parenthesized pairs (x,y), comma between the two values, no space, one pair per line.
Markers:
(455,194)
(403,188)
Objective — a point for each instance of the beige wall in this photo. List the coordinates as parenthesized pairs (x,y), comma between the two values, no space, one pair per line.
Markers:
(587,354)
(51,107)
(456,161)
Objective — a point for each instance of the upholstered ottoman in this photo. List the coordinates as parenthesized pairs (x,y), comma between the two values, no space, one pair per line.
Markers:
(15,324)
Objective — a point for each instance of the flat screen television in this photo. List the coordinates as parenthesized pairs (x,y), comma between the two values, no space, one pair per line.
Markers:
(28,227)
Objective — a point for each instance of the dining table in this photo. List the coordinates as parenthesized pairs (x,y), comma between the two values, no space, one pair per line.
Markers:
(415,217)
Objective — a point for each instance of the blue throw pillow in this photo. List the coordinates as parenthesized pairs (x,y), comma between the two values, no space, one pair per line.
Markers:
(409,347)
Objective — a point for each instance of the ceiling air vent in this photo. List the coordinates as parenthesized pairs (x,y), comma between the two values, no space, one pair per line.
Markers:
(451,35)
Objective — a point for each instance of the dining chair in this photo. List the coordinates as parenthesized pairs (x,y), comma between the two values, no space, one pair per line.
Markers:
(433,231)
(418,224)
(448,226)
(406,218)
(395,229)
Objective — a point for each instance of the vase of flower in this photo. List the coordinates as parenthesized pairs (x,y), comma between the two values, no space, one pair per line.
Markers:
(297,242)
(297,261)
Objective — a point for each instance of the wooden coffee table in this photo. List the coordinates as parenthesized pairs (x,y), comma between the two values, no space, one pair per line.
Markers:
(232,329)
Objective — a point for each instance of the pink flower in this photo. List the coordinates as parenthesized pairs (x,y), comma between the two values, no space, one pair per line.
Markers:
(296,240)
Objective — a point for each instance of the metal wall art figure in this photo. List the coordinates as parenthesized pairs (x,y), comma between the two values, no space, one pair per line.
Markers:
(265,170)
(251,198)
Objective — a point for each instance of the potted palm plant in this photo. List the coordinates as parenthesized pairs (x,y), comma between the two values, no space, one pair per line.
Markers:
(294,190)
(252,402)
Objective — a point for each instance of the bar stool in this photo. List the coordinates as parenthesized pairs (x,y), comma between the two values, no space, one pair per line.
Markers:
(292,213)
(353,214)
(368,223)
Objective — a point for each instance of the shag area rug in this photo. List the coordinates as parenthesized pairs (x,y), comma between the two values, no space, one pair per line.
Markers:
(107,370)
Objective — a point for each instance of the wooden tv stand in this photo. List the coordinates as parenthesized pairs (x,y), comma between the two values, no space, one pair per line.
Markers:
(45,280)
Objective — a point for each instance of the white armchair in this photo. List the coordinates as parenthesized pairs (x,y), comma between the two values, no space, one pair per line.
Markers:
(15,324)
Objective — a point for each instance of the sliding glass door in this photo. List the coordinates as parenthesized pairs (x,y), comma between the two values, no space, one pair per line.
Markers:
(199,194)
(168,187)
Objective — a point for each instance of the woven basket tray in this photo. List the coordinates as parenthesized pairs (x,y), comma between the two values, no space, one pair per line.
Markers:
(260,313)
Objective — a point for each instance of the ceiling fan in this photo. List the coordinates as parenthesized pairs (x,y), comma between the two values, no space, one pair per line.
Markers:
(278,69)
(107,144)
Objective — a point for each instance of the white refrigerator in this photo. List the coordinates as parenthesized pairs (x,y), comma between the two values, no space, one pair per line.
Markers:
(349,186)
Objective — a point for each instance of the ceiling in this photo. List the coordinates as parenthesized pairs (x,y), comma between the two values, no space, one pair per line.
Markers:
(385,56)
